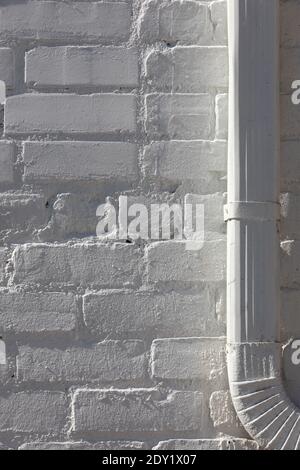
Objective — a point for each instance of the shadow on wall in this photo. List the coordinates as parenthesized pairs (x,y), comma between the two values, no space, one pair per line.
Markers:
(290,195)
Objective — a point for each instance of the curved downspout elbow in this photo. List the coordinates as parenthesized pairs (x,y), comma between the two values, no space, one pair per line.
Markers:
(252,214)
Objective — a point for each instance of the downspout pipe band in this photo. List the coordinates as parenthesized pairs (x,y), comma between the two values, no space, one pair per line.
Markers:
(257,211)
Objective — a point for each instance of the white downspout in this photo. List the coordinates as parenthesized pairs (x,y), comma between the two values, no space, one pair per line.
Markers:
(252,213)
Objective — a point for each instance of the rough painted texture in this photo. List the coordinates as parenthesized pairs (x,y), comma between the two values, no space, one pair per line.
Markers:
(117,97)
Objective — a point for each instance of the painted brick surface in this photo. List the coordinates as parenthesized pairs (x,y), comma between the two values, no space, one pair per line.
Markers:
(7,66)
(181,116)
(78,265)
(119,344)
(137,410)
(70,114)
(104,445)
(79,160)
(67,66)
(184,22)
(6,162)
(207,444)
(203,161)
(111,361)
(38,312)
(181,69)
(125,312)
(3,258)
(170,261)
(36,412)
(52,20)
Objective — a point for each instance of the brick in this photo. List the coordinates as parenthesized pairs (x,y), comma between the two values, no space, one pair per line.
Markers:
(290,271)
(7,365)
(71,114)
(3,356)
(67,66)
(239,444)
(188,69)
(7,150)
(179,161)
(140,410)
(176,22)
(3,258)
(207,444)
(64,160)
(189,444)
(36,412)
(168,314)
(188,358)
(79,265)
(218,11)
(170,261)
(222,116)
(223,415)
(38,313)
(105,445)
(7,66)
(108,361)
(21,213)
(180,116)
(53,20)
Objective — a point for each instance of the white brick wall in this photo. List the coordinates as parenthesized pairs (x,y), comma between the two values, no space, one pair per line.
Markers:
(144,313)
(140,410)
(6,162)
(82,67)
(110,361)
(64,160)
(107,98)
(33,412)
(47,312)
(179,116)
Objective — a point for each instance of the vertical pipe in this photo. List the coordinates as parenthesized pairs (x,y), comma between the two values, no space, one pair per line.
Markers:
(253,172)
